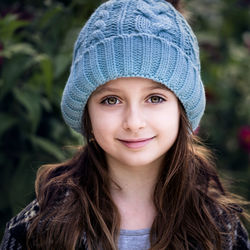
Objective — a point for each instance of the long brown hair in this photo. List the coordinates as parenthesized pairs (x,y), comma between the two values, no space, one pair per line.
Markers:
(76,206)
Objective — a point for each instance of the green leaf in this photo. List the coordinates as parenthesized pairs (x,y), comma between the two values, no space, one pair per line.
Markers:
(47,69)
(7,121)
(31,102)
(21,184)
(48,147)
(46,75)
(18,48)
(47,17)
(8,25)
(11,73)
(62,62)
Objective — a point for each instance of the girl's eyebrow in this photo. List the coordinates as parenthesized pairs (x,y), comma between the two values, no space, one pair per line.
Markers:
(158,86)
(102,89)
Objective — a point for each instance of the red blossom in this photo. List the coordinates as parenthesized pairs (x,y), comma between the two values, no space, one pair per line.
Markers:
(246,39)
(196,131)
(244,138)
(210,94)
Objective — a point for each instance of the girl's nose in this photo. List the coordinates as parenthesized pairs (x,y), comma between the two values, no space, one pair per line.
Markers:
(134,119)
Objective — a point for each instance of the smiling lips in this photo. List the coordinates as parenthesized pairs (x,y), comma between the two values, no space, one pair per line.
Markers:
(136,143)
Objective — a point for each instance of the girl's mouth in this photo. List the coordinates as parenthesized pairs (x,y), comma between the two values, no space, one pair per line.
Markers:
(136,143)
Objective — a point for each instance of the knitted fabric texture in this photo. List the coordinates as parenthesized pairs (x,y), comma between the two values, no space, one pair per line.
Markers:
(135,38)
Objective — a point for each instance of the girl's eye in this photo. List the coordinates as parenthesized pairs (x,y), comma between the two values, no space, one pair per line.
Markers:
(110,100)
(156,99)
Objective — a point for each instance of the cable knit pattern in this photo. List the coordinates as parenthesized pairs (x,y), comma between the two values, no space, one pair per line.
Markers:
(135,38)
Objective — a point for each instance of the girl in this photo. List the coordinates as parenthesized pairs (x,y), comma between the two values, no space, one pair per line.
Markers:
(143,180)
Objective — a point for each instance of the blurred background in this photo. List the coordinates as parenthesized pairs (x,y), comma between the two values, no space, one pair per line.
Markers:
(36,43)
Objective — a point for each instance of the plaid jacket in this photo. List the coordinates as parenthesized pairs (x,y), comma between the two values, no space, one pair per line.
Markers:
(16,229)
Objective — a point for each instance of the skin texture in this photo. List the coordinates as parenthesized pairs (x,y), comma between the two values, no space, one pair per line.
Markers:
(135,121)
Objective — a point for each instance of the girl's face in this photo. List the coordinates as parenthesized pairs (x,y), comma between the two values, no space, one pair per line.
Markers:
(134,120)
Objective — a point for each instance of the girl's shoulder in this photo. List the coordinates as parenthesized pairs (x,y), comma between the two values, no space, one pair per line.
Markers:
(241,238)
(234,234)
(16,229)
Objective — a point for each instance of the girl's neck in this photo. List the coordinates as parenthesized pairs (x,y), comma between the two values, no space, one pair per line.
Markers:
(134,196)
(133,182)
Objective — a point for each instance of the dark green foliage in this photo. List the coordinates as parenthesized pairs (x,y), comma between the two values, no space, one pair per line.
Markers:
(224,35)
(36,42)
(35,55)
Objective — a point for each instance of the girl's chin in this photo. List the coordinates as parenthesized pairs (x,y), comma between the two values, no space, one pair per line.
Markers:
(138,162)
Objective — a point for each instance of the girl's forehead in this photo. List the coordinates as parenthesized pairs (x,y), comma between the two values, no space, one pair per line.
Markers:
(128,82)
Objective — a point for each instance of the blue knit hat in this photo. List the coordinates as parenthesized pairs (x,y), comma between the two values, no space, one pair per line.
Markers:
(135,38)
